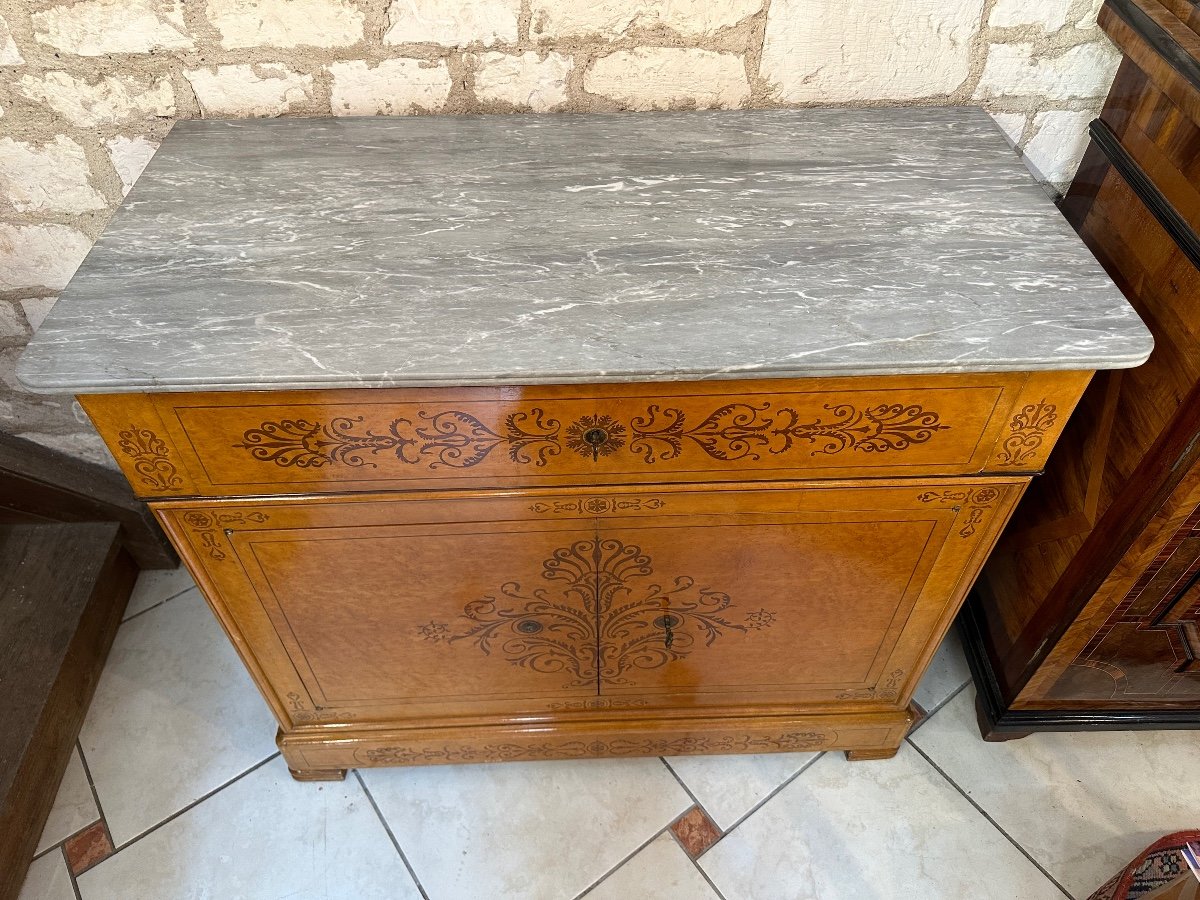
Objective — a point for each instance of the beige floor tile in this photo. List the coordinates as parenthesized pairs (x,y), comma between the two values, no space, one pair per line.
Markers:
(728,787)
(264,836)
(534,831)
(1082,804)
(871,831)
(48,879)
(156,585)
(659,871)
(947,672)
(175,716)
(74,806)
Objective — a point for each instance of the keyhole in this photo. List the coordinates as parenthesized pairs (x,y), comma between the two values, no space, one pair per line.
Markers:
(667,623)
(595,438)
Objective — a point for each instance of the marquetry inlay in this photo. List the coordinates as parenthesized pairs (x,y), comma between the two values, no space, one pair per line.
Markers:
(458,439)
(608,614)
(151,458)
(1029,428)
(728,743)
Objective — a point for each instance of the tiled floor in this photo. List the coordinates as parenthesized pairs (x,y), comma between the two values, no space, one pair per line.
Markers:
(176,791)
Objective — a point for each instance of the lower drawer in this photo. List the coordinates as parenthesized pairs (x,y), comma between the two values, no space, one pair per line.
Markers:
(438,606)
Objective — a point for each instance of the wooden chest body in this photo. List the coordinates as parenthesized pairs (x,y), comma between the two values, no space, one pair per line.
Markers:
(475,574)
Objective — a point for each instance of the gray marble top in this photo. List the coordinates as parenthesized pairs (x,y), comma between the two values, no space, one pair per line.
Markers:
(543,249)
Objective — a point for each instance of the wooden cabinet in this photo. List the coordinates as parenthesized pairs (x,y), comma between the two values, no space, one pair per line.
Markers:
(666,445)
(1088,614)
(452,575)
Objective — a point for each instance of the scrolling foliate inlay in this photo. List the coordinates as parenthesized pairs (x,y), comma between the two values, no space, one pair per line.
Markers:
(458,439)
(452,439)
(744,431)
(151,458)
(603,616)
(1028,428)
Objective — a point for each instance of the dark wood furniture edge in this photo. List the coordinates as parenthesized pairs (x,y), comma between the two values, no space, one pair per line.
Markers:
(1158,475)
(997,722)
(1158,38)
(1164,464)
(48,702)
(40,484)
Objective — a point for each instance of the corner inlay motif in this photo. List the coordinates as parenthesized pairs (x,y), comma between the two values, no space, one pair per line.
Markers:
(889,691)
(151,458)
(299,712)
(977,501)
(457,439)
(1028,428)
(603,616)
(207,527)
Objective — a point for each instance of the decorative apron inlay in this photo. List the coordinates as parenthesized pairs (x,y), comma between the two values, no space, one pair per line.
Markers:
(733,743)
(458,439)
(151,458)
(1028,428)
(599,506)
(603,619)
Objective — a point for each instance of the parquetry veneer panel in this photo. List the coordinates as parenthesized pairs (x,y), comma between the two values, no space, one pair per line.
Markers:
(1088,614)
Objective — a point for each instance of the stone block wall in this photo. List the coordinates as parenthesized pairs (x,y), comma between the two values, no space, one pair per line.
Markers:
(89,87)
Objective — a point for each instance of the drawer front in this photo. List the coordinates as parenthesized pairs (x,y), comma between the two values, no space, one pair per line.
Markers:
(238,444)
(384,609)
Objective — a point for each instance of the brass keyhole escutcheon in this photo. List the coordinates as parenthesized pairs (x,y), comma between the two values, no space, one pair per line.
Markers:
(595,438)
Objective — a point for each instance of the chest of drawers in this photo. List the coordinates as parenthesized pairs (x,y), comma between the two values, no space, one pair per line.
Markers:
(719,485)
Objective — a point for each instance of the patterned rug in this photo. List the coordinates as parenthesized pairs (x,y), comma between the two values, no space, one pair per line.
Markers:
(1166,870)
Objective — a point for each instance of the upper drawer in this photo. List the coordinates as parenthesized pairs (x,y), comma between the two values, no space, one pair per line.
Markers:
(283,442)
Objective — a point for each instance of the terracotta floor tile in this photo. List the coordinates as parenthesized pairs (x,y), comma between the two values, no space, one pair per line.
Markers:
(90,846)
(696,831)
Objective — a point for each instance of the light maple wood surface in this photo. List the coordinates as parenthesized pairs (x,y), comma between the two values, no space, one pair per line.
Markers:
(297,442)
(652,569)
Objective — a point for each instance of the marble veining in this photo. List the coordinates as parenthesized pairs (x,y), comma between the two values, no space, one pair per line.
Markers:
(560,249)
